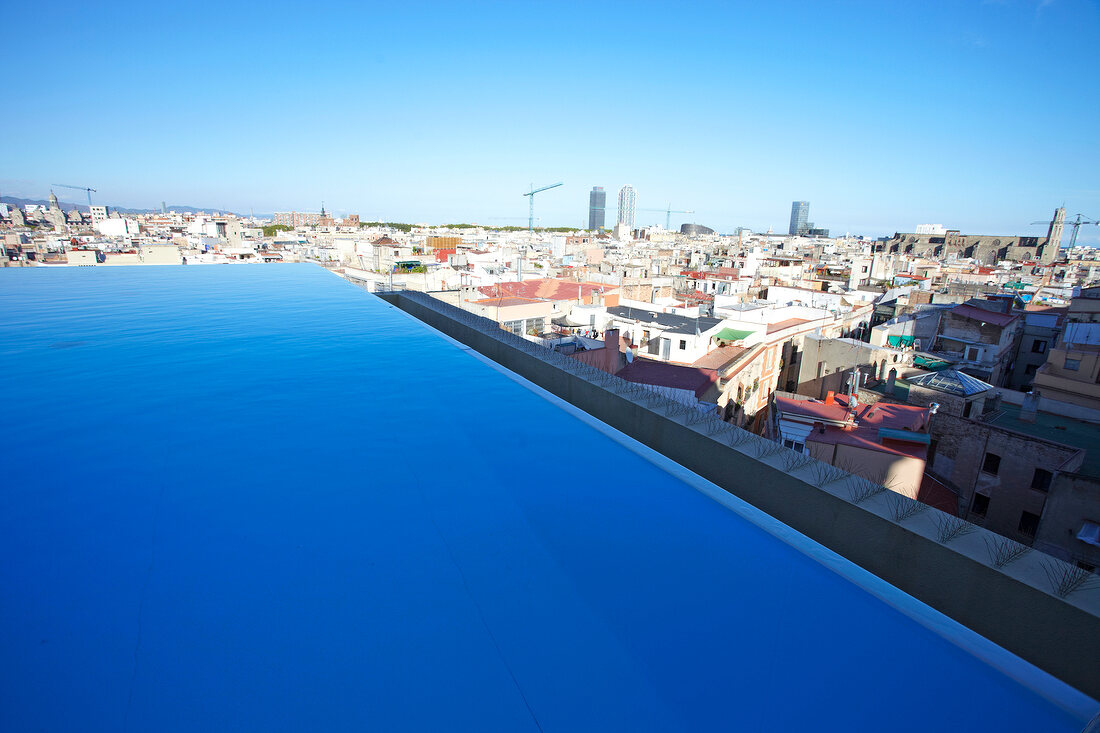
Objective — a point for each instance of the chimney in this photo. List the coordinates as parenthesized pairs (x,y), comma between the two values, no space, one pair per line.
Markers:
(1030,407)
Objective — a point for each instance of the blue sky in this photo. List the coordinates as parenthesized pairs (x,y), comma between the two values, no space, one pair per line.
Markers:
(981,116)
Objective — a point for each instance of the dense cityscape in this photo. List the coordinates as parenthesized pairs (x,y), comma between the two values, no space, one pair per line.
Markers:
(984,346)
(529,367)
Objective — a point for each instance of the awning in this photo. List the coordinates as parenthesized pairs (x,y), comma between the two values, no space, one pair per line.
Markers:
(569,322)
(732,334)
(899,341)
(930,363)
(907,435)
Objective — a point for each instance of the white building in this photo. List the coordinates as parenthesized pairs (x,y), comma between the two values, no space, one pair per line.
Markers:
(116,227)
(626,206)
(936,229)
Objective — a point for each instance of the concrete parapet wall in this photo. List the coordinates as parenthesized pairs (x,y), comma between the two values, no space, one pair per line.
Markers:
(1055,407)
(942,561)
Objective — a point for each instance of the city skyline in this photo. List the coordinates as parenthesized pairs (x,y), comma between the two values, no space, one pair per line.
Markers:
(891,135)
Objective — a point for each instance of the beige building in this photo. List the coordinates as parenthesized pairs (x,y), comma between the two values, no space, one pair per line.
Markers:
(518,315)
(1072,372)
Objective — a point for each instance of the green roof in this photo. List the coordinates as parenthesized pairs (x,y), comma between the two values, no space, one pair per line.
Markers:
(1059,429)
(732,334)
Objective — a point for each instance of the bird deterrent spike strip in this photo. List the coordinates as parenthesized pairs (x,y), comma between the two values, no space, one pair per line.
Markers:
(902,507)
(824,474)
(795,461)
(1065,578)
(717,427)
(736,438)
(861,489)
(754,446)
(1003,551)
(950,528)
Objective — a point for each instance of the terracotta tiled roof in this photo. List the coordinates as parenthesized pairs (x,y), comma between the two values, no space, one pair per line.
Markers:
(780,325)
(547,289)
(506,301)
(662,374)
(720,357)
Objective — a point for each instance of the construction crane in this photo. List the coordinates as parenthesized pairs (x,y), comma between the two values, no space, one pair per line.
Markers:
(89,191)
(668,214)
(1080,221)
(531,193)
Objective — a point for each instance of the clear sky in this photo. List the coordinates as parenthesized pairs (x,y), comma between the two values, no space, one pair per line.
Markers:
(982,116)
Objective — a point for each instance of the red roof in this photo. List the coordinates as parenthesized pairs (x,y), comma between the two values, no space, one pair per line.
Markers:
(662,374)
(935,494)
(546,289)
(871,419)
(780,325)
(506,301)
(719,357)
(981,314)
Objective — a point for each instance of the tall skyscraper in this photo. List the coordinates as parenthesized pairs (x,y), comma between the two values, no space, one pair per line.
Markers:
(597,208)
(626,206)
(800,214)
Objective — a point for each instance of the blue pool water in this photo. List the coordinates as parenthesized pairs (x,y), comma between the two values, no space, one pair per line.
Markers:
(258,498)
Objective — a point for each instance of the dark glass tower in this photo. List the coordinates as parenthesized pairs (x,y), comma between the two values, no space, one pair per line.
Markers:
(597,206)
(800,213)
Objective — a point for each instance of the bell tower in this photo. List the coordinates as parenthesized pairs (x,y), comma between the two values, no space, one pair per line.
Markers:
(1054,236)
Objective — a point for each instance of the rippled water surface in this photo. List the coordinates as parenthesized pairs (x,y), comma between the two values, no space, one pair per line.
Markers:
(258,498)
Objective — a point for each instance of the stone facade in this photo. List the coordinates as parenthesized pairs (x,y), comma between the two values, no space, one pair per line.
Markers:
(987,249)
(1074,499)
(1003,476)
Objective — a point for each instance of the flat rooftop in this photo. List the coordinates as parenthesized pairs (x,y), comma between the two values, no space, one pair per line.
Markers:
(218,516)
(1059,429)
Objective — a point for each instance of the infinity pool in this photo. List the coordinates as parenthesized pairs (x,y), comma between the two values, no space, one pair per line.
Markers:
(258,498)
